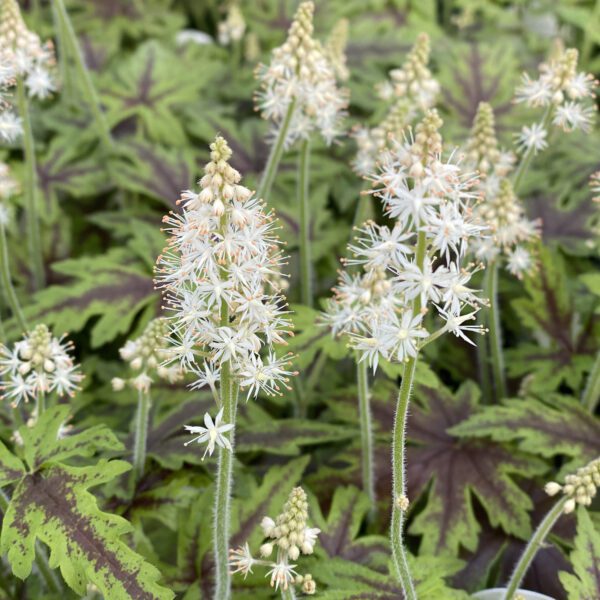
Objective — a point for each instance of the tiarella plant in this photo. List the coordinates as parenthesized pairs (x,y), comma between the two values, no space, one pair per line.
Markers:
(152,477)
(217,274)
(417,264)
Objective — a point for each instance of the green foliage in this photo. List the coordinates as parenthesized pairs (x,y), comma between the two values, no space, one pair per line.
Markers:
(51,502)
(584,584)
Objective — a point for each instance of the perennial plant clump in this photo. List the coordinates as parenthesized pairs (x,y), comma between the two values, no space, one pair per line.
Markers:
(359,358)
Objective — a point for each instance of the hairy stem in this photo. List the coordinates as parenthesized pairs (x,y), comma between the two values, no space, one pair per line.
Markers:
(306,282)
(31,190)
(224,484)
(13,301)
(266,182)
(49,576)
(366,431)
(288,594)
(399,495)
(89,91)
(40,404)
(533,546)
(483,363)
(399,484)
(591,393)
(141,434)
(495,339)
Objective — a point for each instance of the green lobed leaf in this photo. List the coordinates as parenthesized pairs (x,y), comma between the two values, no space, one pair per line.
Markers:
(52,503)
(550,426)
(585,583)
(454,470)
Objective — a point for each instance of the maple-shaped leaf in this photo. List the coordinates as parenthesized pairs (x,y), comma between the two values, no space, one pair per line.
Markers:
(454,470)
(564,334)
(339,535)
(149,86)
(474,73)
(346,580)
(584,584)
(546,426)
(108,286)
(154,171)
(51,502)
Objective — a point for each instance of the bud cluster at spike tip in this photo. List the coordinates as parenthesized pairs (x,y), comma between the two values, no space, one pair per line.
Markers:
(424,195)
(300,71)
(289,535)
(223,258)
(22,54)
(412,90)
(580,487)
(512,235)
(147,355)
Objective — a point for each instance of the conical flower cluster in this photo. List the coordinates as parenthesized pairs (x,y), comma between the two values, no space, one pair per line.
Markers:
(511,234)
(416,265)
(22,51)
(147,355)
(566,93)
(216,272)
(411,90)
(580,487)
(290,536)
(37,365)
(301,73)
(483,152)
(335,49)
(413,81)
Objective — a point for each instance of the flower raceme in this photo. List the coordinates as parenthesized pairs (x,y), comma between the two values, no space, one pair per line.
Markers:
(37,365)
(290,536)
(566,95)
(146,355)
(217,274)
(22,56)
(413,267)
(301,72)
(511,234)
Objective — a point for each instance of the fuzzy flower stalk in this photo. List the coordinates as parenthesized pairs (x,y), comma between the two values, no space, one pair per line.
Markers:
(218,274)
(511,236)
(37,365)
(299,94)
(415,267)
(567,97)
(288,536)
(8,187)
(26,66)
(580,488)
(146,356)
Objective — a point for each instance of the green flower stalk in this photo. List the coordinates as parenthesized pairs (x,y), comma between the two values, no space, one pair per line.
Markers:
(220,274)
(70,43)
(579,488)
(146,356)
(430,204)
(289,537)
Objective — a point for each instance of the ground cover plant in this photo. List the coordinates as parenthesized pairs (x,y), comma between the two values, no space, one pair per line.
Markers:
(299,299)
